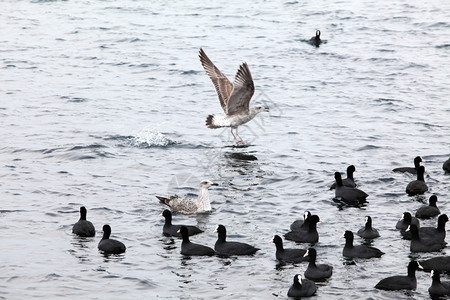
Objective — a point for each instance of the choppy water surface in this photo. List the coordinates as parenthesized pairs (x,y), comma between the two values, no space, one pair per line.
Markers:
(103,104)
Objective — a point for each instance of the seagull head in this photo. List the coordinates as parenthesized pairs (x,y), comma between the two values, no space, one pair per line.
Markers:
(207,183)
(261,108)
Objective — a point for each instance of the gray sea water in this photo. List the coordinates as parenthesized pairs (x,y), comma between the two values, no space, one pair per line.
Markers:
(103,104)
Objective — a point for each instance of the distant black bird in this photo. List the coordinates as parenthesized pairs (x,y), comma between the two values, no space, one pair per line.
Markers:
(172,230)
(367,232)
(348,195)
(417,161)
(110,246)
(418,186)
(83,227)
(288,255)
(301,224)
(430,210)
(191,249)
(349,181)
(225,248)
(359,251)
(315,40)
(446,165)
(308,235)
(302,287)
(398,282)
(407,220)
(438,288)
(317,272)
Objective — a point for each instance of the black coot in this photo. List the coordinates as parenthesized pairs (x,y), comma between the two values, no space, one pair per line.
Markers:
(348,195)
(225,248)
(359,251)
(440,263)
(110,246)
(438,288)
(417,161)
(446,165)
(349,181)
(368,232)
(302,287)
(399,282)
(83,227)
(407,220)
(315,40)
(192,249)
(317,272)
(309,235)
(301,224)
(173,230)
(288,255)
(430,210)
(431,233)
(419,244)
(418,186)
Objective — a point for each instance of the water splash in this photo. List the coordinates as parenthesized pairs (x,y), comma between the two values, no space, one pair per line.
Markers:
(147,138)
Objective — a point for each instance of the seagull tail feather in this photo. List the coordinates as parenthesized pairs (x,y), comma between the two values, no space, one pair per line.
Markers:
(210,122)
(163,200)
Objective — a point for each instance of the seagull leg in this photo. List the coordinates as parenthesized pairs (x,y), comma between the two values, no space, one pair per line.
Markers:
(242,141)
(235,139)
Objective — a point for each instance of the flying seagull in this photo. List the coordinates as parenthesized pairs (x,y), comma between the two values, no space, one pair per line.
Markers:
(234,97)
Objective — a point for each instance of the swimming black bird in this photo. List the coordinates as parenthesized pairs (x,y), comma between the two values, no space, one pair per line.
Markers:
(398,282)
(317,272)
(417,161)
(431,233)
(349,181)
(110,246)
(288,255)
(367,232)
(439,263)
(446,165)
(348,195)
(419,244)
(191,249)
(359,251)
(438,288)
(430,210)
(83,227)
(172,230)
(315,40)
(407,220)
(302,287)
(301,224)
(308,235)
(418,186)
(225,248)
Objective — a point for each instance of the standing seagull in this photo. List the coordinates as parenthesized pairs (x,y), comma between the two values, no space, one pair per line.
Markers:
(234,97)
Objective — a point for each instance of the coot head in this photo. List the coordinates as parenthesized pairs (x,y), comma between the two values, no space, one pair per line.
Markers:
(106,231)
